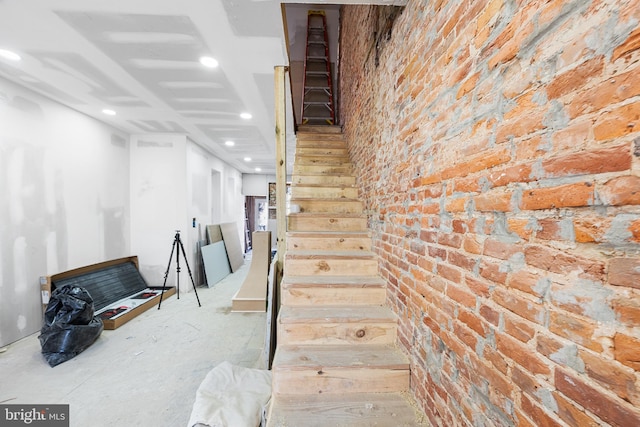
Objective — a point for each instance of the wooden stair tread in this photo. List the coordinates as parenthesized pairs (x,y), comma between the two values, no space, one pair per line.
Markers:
(372,356)
(354,410)
(319,185)
(333,281)
(319,129)
(327,314)
(311,254)
(328,234)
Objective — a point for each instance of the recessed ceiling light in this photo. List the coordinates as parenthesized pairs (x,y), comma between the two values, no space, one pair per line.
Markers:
(229,143)
(247,159)
(208,61)
(7,54)
(246,116)
(109,112)
(258,170)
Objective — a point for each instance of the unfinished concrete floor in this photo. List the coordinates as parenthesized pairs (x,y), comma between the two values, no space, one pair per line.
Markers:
(146,372)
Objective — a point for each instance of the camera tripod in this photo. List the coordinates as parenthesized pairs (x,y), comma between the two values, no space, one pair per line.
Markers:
(176,247)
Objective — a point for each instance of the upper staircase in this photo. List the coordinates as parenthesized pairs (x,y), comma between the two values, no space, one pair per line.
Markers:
(336,362)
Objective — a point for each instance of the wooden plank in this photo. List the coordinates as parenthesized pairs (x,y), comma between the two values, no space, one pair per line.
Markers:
(353,410)
(341,169)
(329,265)
(281,160)
(327,222)
(323,192)
(346,180)
(336,325)
(232,244)
(303,357)
(357,241)
(328,205)
(339,369)
(252,295)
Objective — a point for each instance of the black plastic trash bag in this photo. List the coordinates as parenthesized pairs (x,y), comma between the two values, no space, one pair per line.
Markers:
(69,326)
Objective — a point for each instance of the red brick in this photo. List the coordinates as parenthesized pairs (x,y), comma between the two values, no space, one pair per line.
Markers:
(627,309)
(610,159)
(547,345)
(452,274)
(465,335)
(526,281)
(627,350)
(624,272)
(556,261)
(497,201)
(462,261)
(478,287)
(456,204)
(632,43)
(472,244)
(490,314)
(501,250)
(623,190)
(571,414)
(611,376)
(617,122)
(563,196)
(570,81)
(520,227)
(590,229)
(473,321)
(634,228)
(481,162)
(462,296)
(450,239)
(574,329)
(612,411)
(518,329)
(523,307)
(525,380)
(491,271)
(543,419)
(521,354)
(510,174)
(549,229)
(613,90)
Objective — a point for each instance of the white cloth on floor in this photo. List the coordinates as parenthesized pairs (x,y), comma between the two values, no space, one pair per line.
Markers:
(231,396)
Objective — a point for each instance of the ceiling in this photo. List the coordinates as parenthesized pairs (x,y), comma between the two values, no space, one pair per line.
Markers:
(140,58)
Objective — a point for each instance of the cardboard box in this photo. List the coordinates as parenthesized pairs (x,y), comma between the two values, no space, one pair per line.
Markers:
(114,285)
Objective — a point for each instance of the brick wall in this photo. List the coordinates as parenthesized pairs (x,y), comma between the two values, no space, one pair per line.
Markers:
(497,148)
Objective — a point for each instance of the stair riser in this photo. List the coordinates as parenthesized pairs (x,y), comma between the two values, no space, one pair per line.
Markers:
(321,160)
(337,333)
(332,267)
(328,206)
(324,192)
(306,223)
(339,380)
(315,151)
(339,243)
(315,296)
(346,180)
(344,169)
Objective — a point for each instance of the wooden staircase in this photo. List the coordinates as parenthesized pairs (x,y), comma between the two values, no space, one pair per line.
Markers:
(336,363)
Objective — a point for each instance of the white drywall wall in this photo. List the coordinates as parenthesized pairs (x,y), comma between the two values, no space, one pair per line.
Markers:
(64,181)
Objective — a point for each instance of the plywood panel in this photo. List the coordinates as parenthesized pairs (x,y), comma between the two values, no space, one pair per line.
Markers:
(214,234)
(216,262)
(252,295)
(232,243)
